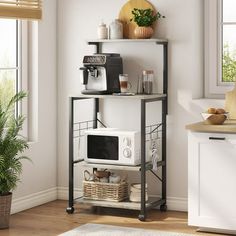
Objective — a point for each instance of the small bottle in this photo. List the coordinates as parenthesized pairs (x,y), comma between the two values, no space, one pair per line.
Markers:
(102,31)
(148,77)
(116,29)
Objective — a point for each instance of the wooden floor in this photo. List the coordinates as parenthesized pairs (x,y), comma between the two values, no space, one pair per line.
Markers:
(51,219)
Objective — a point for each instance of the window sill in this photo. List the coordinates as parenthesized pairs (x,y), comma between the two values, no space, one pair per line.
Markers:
(204,103)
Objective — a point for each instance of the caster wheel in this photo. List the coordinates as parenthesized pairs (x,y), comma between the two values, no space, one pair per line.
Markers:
(163,207)
(70,210)
(141,217)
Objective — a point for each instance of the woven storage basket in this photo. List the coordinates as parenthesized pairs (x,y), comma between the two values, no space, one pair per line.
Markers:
(105,191)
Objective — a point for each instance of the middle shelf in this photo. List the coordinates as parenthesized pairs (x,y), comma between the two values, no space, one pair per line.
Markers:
(119,167)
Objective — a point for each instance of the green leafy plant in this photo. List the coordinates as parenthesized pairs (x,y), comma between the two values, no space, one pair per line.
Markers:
(229,64)
(11,145)
(145,17)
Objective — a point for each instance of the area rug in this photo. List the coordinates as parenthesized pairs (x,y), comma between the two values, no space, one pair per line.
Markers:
(109,230)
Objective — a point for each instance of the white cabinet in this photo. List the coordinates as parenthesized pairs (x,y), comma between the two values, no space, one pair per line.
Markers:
(212,180)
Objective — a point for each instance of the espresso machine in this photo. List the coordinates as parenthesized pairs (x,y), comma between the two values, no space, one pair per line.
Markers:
(100,73)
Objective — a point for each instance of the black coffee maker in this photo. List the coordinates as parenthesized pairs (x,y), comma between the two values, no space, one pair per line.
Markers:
(100,73)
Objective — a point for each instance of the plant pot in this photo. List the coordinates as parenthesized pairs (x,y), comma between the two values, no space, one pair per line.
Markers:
(5,208)
(142,32)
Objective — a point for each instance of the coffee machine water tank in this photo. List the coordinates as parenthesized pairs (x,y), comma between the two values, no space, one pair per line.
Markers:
(100,73)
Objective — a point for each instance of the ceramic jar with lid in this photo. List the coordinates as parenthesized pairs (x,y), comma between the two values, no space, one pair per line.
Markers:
(135,192)
(102,31)
(116,29)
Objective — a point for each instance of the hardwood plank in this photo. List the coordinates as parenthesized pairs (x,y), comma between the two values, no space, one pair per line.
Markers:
(51,219)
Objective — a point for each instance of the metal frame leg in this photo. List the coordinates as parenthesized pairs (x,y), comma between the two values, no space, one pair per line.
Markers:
(163,207)
(95,113)
(142,215)
(70,208)
(165,74)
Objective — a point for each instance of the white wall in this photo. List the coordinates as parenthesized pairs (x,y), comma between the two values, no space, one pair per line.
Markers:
(183,27)
(38,180)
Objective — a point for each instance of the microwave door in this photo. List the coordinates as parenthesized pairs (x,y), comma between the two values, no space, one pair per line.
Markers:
(103,147)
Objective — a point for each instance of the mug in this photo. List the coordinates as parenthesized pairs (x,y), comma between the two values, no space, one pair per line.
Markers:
(88,176)
(125,86)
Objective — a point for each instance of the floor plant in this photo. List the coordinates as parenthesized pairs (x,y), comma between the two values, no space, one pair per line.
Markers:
(12,145)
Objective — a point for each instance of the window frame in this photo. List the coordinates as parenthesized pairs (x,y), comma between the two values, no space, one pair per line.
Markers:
(213,49)
(21,70)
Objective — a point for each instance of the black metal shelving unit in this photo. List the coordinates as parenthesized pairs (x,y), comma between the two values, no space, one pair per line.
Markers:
(144,205)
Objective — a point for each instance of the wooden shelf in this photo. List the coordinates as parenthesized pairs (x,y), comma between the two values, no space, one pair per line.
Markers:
(154,40)
(118,167)
(112,167)
(152,201)
(136,96)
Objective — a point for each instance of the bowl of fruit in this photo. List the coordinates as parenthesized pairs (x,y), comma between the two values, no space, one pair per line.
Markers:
(215,116)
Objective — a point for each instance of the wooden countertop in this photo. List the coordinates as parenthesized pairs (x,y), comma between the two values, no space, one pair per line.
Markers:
(229,127)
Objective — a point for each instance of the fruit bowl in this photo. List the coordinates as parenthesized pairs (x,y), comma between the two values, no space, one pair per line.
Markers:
(214,119)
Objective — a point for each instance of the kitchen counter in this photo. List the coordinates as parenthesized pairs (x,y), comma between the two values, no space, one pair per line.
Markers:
(229,127)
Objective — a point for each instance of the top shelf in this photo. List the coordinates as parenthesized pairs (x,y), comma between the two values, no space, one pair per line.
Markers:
(154,40)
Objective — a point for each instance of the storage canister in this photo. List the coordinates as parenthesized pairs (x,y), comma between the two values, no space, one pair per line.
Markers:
(116,30)
(148,77)
(102,31)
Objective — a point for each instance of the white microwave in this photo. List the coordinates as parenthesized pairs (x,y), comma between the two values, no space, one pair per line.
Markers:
(112,146)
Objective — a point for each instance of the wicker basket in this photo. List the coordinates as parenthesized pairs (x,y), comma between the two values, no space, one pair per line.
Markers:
(105,191)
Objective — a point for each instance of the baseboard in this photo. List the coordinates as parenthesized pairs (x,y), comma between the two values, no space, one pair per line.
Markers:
(177,204)
(173,203)
(32,200)
(63,193)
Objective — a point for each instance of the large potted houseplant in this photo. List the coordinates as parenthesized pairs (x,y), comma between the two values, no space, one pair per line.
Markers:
(12,144)
(144,18)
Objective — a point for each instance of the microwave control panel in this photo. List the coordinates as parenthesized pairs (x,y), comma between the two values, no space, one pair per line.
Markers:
(127,152)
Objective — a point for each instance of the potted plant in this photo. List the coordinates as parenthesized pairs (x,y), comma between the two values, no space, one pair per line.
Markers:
(11,145)
(144,18)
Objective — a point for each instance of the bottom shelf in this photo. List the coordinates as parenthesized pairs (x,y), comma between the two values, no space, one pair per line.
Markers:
(151,203)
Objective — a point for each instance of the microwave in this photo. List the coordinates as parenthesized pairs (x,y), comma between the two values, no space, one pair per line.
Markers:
(112,146)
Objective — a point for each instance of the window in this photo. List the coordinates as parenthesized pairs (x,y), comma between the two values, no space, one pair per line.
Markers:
(228,29)
(220,46)
(13,62)
(8,60)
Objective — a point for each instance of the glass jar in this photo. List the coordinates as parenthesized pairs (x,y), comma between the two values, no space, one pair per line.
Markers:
(148,77)
(102,31)
(116,29)
(140,85)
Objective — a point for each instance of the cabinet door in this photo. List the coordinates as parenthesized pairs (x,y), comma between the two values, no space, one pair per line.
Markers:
(212,180)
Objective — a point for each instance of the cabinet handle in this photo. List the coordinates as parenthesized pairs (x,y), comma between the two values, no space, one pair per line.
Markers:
(216,138)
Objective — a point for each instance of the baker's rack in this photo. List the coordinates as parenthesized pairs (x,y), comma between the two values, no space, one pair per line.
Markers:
(144,205)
